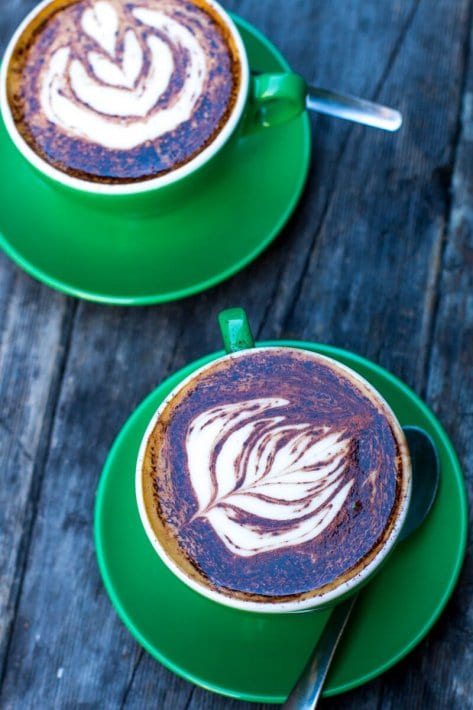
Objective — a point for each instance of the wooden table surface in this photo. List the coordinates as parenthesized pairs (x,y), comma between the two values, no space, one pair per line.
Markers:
(378,259)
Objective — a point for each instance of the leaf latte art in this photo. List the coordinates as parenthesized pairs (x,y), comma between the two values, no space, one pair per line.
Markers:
(271,474)
(264,484)
(124,90)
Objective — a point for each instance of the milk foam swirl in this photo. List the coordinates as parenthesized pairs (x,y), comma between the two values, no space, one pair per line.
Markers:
(117,92)
(261,482)
(272,472)
(110,97)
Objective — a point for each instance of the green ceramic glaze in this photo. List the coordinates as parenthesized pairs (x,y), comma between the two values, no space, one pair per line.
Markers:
(259,656)
(235,330)
(277,98)
(124,254)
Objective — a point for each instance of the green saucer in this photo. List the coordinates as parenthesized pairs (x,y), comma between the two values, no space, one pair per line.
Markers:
(258,657)
(136,260)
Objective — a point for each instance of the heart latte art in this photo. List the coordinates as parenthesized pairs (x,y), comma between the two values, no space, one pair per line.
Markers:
(118,91)
(273,474)
(102,89)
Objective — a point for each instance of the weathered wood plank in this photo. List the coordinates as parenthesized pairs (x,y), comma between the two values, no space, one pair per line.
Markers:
(382,223)
(358,266)
(450,391)
(69,646)
(10,18)
(34,329)
(154,686)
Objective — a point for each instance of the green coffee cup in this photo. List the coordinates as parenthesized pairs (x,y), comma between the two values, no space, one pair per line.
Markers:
(273,478)
(262,101)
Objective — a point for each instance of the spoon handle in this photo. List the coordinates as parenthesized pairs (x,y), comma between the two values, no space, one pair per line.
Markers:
(306,692)
(352,109)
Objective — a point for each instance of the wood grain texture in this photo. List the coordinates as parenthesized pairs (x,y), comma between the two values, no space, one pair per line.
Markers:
(378,258)
(35,331)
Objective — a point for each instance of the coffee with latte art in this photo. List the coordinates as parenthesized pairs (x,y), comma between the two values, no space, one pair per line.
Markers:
(118,91)
(273,475)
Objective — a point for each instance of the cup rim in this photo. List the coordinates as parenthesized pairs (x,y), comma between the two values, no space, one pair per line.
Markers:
(134,188)
(314,602)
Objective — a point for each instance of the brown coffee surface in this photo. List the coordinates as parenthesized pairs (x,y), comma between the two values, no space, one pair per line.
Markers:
(117,92)
(273,476)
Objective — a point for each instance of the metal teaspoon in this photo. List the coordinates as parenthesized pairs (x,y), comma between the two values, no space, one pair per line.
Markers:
(352,109)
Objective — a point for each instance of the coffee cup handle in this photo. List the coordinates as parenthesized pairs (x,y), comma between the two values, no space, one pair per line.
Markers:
(275,98)
(235,330)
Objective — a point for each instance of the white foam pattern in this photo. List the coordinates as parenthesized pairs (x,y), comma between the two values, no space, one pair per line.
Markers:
(261,482)
(110,98)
